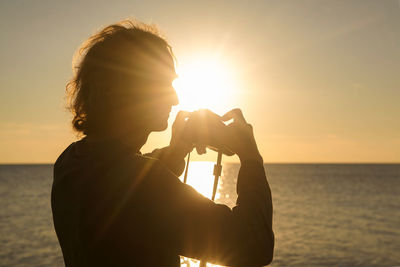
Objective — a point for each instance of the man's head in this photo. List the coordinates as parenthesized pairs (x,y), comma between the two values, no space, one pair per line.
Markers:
(123,81)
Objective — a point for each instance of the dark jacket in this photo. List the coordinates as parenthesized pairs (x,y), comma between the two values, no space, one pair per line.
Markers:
(112,207)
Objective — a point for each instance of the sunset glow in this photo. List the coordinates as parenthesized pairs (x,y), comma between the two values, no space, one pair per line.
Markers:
(315,86)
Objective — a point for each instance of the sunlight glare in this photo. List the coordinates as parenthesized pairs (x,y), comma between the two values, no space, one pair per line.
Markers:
(205,83)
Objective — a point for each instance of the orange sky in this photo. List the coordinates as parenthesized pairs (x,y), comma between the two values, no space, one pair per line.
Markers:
(319,80)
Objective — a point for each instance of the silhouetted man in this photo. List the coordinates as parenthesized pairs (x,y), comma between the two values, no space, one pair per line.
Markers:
(113,206)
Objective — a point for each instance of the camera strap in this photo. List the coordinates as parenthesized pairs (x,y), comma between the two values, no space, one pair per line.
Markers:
(217,172)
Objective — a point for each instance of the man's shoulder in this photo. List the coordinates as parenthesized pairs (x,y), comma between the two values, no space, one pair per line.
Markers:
(65,161)
(145,164)
(80,160)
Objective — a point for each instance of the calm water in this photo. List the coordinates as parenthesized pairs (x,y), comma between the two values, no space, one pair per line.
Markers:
(324,215)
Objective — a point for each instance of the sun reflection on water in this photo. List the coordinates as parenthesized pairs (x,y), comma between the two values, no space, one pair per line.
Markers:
(186,262)
(200,177)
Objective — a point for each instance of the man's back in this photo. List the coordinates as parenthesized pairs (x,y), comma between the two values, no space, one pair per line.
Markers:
(100,208)
(112,208)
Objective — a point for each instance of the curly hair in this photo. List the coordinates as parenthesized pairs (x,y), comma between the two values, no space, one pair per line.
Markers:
(108,69)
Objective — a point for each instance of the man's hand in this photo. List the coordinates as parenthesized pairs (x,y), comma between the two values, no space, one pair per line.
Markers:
(240,138)
(173,156)
(178,145)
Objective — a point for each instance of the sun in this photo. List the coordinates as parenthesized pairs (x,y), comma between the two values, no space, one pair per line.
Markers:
(205,82)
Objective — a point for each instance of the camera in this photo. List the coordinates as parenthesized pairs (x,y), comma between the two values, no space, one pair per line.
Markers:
(204,127)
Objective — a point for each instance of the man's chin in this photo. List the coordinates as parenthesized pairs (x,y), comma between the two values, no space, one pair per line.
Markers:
(160,127)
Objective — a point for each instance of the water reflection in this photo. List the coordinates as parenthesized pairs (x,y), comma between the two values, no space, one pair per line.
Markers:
(186,262)
(200,177)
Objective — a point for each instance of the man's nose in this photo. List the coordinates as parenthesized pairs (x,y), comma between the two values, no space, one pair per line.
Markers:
(168,97)
(174,98)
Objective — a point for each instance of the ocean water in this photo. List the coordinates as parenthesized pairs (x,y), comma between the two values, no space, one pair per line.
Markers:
(324,214)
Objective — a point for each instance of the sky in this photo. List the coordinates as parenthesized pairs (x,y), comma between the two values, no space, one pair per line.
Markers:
(318,80)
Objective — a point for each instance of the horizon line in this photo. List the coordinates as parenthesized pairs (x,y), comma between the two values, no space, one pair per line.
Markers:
(231,162)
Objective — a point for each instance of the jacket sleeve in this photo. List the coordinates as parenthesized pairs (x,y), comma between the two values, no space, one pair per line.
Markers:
(196,227)
(172,162)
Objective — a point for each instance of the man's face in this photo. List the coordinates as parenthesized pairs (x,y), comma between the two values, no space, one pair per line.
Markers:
(163,97)
(159,95)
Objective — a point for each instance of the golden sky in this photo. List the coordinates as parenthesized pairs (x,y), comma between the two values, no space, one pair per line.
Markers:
(319,80)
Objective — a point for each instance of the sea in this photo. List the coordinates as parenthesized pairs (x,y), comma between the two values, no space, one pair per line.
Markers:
(324,214)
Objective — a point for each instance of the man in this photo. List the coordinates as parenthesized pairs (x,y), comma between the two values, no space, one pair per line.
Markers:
(113,206)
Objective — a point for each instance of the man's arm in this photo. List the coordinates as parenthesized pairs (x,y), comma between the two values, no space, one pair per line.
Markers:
(172,158)
(196,227)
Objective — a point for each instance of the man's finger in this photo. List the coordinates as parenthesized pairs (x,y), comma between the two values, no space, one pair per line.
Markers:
(235,114)
(181,116)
